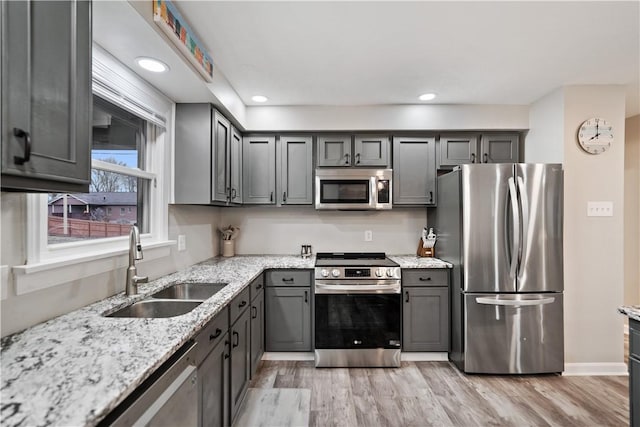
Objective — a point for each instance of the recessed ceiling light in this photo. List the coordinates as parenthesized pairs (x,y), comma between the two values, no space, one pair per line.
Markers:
(151,64)
(427,96)
(259,98)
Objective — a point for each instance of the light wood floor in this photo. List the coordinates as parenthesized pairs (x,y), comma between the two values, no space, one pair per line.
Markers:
(436,393)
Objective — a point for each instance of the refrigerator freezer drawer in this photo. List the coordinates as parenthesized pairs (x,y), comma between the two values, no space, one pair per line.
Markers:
(513,333)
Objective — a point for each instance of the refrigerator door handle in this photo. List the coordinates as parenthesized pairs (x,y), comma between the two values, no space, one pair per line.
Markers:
(524,204)
(514,302)
(516,227)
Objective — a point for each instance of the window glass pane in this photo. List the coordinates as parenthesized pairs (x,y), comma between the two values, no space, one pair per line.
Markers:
(115,201)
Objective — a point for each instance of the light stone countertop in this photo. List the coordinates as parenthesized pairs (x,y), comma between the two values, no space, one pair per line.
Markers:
(76,368)
(633,311)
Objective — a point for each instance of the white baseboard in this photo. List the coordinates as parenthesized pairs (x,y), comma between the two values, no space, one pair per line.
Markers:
(424,357)
(293,355)
(593,369)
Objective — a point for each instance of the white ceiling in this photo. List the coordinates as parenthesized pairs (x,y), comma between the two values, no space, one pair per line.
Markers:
(364,53)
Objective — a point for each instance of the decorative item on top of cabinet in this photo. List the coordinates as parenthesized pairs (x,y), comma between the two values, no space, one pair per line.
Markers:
(366,150)
(489,147)
(295,169)
(46,96)
(414,170)
(259,169)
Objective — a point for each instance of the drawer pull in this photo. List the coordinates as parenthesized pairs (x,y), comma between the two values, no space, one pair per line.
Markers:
(306,296)
(290,279)
(407,294)
(242,304)
(216,335)
(425,279)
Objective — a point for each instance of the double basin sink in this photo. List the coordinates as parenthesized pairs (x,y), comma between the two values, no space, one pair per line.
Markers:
(174,300)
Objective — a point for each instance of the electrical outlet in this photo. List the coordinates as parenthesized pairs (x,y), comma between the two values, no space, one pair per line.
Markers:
(182,242)
(368,236)
(599,208)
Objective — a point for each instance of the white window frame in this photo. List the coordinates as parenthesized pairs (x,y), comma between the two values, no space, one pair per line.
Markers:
(48,265)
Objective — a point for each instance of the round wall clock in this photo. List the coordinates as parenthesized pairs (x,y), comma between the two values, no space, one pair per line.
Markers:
(595,135)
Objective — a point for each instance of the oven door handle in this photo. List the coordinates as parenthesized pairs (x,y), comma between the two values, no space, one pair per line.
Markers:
(357,289)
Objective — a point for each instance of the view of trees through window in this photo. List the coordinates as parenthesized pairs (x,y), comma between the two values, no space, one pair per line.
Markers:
(115,199)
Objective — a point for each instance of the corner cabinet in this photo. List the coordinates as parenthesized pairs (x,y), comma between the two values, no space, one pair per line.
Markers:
(463,148)
(425,310)
(414,171)
(46,96)
(365,151)
(259,169)
(295,168)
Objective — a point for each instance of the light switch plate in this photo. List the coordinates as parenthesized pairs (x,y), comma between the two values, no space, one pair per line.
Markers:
(599,208)
(182,242)
(368,236)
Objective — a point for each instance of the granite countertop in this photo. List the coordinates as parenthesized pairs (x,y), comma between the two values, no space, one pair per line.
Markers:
(633,311)
(76,368)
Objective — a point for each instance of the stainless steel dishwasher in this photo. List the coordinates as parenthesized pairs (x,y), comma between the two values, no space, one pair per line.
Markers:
(168,398)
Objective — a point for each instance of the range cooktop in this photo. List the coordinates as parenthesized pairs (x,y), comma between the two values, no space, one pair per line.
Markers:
(353,259)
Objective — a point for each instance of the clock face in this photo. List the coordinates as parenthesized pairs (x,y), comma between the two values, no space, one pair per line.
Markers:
(595,135)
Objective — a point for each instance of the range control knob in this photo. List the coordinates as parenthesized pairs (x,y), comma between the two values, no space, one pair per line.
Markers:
(324,272)
(335,272)
(389,272)
(379,272)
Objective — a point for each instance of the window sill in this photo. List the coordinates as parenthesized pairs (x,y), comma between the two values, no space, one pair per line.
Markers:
(50,273)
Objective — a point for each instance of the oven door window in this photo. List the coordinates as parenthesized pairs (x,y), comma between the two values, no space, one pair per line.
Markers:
(357,321)
(344,191)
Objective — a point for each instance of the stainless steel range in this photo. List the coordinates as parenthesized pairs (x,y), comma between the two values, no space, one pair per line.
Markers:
(357,310)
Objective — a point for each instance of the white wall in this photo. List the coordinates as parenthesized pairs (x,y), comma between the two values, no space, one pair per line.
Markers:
(543,143)
(271,230)
(593,246)
(632,212)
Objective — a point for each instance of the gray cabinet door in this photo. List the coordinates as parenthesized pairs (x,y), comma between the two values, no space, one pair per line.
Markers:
(634,391)
(259,169)
(46,95)
(499,148)
(213,385)
(414,171)
(240,337)
(295,163)
(425,319)
(257,331)
(334,150)
(457,149)
(288,319)
(220,177)
(235,166)
(371,150)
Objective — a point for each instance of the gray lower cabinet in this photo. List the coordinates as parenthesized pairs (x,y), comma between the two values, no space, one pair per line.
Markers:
(634,373)
(213,380)
(295,169)
(257,330)
(240,337)
(46,95)
(414,171)
(491,147)
(425,310)
(259,169)
(288,318)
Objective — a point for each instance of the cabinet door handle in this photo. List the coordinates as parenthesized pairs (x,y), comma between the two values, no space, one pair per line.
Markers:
(425,279)
(216,335)
(430,196)
(237,337)
(486,157)
(347,159)
(285,279)
(271,197)
(358,159)
(284,196)
(306,296)
(242,304)
(234,193)
(255,312)
(473,157)
(407,294)
(19,133)
(226,344)
(259,286)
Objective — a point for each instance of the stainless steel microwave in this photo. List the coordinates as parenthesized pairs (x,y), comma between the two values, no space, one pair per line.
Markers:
(353,188)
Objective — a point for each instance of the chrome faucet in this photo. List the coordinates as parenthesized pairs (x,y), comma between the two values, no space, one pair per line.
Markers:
(135,253)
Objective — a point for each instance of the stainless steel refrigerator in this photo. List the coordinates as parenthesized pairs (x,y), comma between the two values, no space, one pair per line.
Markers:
(501,227)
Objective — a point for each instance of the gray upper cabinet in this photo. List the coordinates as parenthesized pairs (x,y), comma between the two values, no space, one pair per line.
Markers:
(258,169)
(334,150)
(499,148)
(295,166)
(46,96)
(208,157)
(371,150)
(414,171)
(494,147)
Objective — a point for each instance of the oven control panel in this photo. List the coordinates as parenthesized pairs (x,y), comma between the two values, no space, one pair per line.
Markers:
(357,273)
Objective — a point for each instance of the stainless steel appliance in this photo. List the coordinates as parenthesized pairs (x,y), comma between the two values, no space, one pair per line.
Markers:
(500,225)
(353,188)
(357,310)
